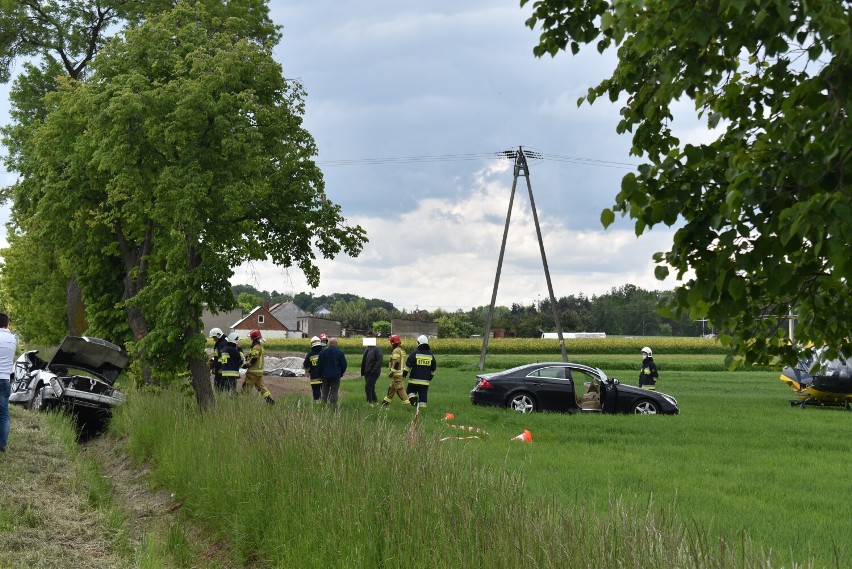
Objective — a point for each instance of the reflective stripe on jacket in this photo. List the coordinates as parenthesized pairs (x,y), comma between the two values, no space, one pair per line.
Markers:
(229,361)
(395,363)
(255,358)
(420,366)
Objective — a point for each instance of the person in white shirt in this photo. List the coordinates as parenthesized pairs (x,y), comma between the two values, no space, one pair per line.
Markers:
(8,347)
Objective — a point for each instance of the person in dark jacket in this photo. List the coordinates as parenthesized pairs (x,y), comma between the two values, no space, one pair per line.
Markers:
(230,361)
(648,375)
(310,365)
(371,368)
(219,342)
(331,365)
(419,369)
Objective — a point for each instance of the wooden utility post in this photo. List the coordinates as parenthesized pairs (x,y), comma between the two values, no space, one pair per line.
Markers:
(521,169)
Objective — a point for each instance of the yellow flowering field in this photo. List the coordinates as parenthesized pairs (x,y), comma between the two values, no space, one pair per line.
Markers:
(611,345)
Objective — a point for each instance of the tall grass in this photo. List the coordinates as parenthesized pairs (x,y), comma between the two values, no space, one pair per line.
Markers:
(297,485)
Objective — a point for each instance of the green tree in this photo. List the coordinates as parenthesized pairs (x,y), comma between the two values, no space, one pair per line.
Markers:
(62,38)
(454,325)
(381,327)
(248,302)
(180,157)
(763,210)
(34,290)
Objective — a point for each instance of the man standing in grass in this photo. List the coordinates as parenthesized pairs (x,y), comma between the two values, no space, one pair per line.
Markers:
(229,362)
(371,369)
(419,369)
(331,365)
(254,367)
(310,365)
(395,365)
(8,347)
(648,375)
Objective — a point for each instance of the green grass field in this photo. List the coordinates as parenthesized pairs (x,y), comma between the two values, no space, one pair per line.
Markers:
(739,479)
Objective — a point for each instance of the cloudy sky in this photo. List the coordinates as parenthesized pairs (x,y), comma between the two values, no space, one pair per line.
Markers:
(409,103)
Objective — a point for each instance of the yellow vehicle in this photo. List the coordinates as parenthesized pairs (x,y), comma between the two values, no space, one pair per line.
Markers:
(830,384)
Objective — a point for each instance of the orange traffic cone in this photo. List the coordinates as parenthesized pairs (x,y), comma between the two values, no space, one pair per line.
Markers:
(526,436)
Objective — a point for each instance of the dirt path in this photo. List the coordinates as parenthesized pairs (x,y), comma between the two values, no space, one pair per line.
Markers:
(48,521)
(47,516)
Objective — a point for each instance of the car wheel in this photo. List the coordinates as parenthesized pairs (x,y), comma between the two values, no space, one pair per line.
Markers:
(37,403)
(522,403)
(645,407)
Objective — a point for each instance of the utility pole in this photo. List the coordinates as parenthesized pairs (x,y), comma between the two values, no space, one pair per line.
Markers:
(521,169)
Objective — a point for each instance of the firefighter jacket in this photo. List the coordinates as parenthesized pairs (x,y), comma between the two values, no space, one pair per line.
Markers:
(649,374)
(310,364)
(397,360)
(218,346)
(230,360)
(254,359)
(420,366)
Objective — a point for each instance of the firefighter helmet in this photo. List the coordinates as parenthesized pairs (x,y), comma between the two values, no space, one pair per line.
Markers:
(255,335)
(233,337)
(315,341)
(395,339)
(647,350)
(216,333)
(422,339)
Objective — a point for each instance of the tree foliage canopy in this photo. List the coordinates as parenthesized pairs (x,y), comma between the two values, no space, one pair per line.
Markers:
(763,209)
(180,156)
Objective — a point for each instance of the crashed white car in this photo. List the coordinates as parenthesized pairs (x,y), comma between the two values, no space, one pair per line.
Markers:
(79,376)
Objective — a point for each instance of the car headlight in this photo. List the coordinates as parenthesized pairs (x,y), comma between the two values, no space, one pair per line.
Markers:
(670,399)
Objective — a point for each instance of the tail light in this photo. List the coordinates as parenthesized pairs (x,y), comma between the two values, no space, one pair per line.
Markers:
(483,383)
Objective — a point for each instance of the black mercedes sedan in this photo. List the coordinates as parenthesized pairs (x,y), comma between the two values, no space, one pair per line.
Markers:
(569,388)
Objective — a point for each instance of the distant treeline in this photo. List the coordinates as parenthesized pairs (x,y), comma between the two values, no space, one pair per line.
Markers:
(624,311)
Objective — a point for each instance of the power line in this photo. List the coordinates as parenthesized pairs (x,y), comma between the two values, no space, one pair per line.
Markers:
(472,156)
(405,159)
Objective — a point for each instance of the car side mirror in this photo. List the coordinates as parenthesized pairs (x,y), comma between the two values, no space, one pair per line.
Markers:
(615,382)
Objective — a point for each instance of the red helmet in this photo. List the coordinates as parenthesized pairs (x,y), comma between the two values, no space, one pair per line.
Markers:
(255,335)
(395,339)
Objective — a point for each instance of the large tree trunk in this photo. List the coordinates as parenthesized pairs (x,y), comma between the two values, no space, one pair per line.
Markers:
(140,329)
(198,367)
(76,309)
(200,374)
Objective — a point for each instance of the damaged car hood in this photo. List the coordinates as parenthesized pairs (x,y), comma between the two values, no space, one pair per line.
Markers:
(92,354)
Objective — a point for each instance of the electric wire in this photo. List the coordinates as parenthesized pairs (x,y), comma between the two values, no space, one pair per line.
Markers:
(473,156)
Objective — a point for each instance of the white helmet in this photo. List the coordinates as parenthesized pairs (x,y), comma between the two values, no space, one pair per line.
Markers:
(233,337)
(647,350)
(422,339)
(315,341)
(216,333)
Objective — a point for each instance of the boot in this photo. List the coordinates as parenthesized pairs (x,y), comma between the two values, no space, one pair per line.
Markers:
(269,400)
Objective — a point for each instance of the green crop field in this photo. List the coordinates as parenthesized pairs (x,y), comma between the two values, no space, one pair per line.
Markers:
(738,479)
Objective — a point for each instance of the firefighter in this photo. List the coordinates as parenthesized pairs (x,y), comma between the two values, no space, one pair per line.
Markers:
(310,365)
(323,339)
(230,361)
(419,369)
(254,367)
(648,375)
(395,372)
(219,342)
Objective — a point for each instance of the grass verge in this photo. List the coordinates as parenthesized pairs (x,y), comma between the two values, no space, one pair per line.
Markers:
(302,485)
